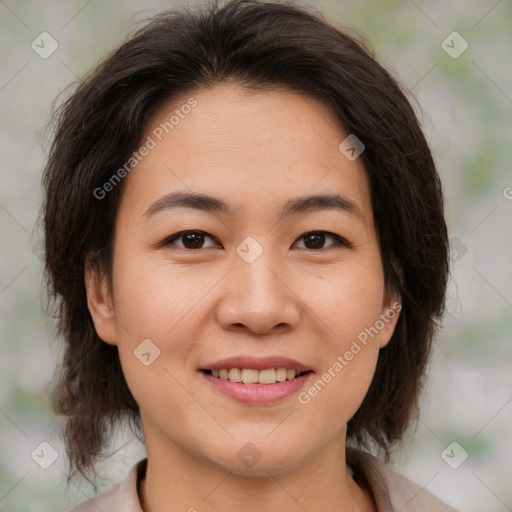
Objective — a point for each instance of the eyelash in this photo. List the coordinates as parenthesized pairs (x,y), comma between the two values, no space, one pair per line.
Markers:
(341,242)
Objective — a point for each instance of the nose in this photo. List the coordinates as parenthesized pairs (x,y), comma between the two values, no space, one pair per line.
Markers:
(258,297)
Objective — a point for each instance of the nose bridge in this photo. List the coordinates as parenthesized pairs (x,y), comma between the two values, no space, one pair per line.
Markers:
(260,287)
(257,295)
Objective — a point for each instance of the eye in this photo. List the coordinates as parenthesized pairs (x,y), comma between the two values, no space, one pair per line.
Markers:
(191,239)
(195,239)
(316,239)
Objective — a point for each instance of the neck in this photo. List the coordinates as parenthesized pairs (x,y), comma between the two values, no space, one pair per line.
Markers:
(175,480)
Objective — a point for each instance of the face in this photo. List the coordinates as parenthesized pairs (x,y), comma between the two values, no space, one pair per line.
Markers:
(261,272)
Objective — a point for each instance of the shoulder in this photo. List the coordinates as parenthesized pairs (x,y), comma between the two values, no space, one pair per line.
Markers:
(122,496)
(391,490)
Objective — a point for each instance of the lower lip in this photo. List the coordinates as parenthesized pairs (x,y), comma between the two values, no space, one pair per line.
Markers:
(257,393)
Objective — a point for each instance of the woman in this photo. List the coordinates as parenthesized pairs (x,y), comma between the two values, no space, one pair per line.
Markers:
(245,238)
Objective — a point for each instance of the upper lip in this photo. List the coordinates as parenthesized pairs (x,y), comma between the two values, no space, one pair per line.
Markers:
(257,363)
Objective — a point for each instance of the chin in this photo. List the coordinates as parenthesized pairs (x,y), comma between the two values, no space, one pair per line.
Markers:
(249,460)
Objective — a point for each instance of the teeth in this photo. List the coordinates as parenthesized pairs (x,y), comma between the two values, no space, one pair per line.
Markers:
(235,375)
(281,374)
(267,376)
(250,376)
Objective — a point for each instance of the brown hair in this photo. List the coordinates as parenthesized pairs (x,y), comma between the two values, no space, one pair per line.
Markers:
(257,45)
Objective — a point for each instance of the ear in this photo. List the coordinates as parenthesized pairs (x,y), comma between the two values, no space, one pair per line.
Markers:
(391,305)
(99,301)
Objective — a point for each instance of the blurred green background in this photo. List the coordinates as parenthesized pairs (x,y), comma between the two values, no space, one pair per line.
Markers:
(465,105)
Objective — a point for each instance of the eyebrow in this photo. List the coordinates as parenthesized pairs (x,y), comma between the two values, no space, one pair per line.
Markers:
(298,205)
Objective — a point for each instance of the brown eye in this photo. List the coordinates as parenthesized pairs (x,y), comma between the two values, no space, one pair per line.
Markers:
(316,239)
(189,239)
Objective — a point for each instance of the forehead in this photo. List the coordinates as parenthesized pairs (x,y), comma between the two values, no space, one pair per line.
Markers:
(253,149)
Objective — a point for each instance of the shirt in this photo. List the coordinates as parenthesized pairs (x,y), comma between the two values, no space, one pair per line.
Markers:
(391,491)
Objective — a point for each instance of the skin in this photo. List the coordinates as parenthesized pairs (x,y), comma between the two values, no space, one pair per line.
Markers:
(255,151)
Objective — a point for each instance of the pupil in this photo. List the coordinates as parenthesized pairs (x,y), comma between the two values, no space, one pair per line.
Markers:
(194,238)
(318,240)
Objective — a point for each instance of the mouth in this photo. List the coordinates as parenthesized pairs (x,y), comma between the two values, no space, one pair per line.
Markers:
(256,381)
(253,376)
(268,390)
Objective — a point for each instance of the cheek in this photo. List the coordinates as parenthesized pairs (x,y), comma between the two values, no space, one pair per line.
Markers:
(156,311)
(157,299)
(347,302)
(156,315)
(347,309)
(347,365)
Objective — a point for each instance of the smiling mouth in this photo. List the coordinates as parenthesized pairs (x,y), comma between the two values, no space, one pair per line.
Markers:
(251,376)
